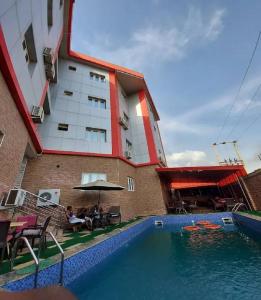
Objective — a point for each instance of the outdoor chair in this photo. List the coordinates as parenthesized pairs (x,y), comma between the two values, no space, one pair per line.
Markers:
(5,238)
(191,204)
(230,203)
(37,232)
(179,207)
(114,213)
(31,221)
(217,205)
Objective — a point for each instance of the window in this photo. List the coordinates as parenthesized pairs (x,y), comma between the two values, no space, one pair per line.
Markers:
(96,135)
(131,184)
(2,135)
(29,46)
(68,93)
(63,127)
(97,77)
(128,145)
(97,102)
(61,3)
(90,177)
(72,68)
(50,13)
(125,117)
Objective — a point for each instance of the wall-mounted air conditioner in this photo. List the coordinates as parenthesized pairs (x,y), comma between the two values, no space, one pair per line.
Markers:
(124,123)
(48,55)
(15,197)
(49,197)
(50,71)
(128,154)
(37,114)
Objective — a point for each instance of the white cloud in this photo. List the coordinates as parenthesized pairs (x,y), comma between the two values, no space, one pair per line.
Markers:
(156,44)
(187,158)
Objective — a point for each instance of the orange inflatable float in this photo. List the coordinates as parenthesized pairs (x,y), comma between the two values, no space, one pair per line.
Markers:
(191,228)
(203,222)
(212,226)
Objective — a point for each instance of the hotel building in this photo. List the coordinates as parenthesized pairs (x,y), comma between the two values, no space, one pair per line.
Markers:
(67,118)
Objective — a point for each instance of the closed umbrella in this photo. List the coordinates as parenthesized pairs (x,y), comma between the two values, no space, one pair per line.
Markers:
(99,185)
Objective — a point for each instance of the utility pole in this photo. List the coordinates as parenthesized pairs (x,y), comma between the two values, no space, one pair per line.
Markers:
(229,161)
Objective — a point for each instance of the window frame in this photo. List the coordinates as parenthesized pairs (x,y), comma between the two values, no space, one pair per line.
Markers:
(92,100)
(2,136)
(98,138)
(68,93)
(84,174)
(63,127)
(131,184)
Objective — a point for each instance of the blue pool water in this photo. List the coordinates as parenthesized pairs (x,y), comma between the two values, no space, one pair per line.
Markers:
(165,264)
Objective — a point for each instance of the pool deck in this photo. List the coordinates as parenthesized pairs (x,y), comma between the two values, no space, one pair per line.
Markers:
(14,275)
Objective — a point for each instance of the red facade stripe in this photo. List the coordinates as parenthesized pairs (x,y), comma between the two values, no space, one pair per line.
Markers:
(147,128)
(9,75)
(115,115)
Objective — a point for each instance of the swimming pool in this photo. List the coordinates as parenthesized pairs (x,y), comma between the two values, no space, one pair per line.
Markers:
(166,263)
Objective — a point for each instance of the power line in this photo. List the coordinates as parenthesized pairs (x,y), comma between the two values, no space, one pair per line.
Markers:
(249,126)
(240,86)
(252,100)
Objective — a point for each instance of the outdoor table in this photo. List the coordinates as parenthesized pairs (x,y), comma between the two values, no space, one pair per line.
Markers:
(17,224)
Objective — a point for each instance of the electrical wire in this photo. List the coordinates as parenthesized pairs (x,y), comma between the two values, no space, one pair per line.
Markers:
(243,132)
(240,87)
(252,100)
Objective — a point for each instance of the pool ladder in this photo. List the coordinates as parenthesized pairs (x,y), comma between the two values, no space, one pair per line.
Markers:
(37,258)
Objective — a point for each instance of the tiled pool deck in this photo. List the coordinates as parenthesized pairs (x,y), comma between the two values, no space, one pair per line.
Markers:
(81,259)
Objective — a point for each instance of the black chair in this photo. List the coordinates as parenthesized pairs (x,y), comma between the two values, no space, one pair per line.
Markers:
(5,238)
(37,232)
(114,212)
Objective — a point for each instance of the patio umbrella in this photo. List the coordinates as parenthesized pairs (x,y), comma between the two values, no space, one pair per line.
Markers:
(99,185)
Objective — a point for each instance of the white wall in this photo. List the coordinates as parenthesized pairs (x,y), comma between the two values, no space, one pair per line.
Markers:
(15,18)
(75,111)
(156,133)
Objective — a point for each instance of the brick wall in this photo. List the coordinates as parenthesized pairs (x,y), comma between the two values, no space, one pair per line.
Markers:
(253,183)
(15,140)
(64,172)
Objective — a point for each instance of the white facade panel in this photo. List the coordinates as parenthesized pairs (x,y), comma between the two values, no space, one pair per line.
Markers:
(15,18)
(76,111)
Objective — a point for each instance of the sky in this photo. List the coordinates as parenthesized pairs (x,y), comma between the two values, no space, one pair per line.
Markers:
(193,55)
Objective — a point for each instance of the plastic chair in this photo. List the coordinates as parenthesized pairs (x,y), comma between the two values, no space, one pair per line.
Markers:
(37,232)
(31,221)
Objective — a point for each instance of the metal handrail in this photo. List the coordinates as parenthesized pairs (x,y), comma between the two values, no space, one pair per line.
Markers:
(62,256)
(36,260)
(33,255)
(237,206)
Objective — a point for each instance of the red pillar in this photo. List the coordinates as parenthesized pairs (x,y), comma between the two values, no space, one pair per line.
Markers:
(115,115)
(147,127)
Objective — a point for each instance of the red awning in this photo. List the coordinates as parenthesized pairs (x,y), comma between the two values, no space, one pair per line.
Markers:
(191,177)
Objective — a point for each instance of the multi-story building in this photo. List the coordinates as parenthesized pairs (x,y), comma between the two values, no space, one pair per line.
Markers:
(67,118)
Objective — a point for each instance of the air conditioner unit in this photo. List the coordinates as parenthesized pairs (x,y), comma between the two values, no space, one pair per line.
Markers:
(48,55)
(51,196)
(123,123)
(128,154)
(15,197)
(50,71)
(37,114)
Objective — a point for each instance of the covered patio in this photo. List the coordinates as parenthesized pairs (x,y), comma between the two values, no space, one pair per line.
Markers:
(204,188)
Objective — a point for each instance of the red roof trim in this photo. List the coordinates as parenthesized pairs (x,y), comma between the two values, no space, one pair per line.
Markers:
(201,168)
(89,154)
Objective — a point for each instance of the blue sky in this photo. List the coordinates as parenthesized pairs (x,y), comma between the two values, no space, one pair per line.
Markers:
(193,55)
